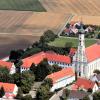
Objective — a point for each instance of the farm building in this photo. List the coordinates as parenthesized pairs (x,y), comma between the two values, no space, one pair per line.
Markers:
(77,95)
(96,78)
(53,58)
(85,84)
(10,66)
(9,89)
(62,78)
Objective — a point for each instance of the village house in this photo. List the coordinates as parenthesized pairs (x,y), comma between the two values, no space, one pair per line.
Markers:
(53,58)
(10,90)
(10,66)
(85,84)
(96,78)
(78,95)
(62,78)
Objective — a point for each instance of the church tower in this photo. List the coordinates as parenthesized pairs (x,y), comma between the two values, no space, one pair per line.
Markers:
(79,59)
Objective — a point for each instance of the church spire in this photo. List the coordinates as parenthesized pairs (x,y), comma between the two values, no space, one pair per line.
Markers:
(79,60)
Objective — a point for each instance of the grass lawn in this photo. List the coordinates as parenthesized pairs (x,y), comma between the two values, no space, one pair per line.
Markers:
(21,5)
(60,42)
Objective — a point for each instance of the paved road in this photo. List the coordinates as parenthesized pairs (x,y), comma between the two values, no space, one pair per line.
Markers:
(67,21)
(56,95)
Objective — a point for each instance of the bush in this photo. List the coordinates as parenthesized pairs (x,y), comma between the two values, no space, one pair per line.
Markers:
(48,36)
(43,92)
(2,92)
(96,96)
(27,97)
(98,36)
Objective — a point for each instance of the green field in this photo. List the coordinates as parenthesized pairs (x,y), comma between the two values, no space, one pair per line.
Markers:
(21,5)
(61,42)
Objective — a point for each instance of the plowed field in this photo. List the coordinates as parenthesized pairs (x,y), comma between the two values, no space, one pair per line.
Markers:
(86,7)
(29,23)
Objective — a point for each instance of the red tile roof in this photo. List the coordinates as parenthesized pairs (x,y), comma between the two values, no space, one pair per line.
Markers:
(84,83)
(72,22)
(93,52)
(72,51)
(58,58)
(8,87)
(61,74)
(67,30)
(6,64)
(37,58)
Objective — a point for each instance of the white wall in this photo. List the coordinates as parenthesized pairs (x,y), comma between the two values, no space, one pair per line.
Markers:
(5,59)
(13,69)
(92,66)
(95,88)
(61,64)
(15,90)
(62,82)
(24,69)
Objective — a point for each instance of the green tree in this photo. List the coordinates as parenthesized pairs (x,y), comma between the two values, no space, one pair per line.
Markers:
(48,82)
(86,98)
(56,68)
(48,36)
(18,64)
(42,92)
(17,79)
(19,94)
(68,44)
(67,92)
(24,80)
(27,79)
(96,96)
(16,54)
(96,71)
(32,68)
(29,52)
(27,97)
(2,92)
(42,70)
(5,76)
(98,36)
(90,90)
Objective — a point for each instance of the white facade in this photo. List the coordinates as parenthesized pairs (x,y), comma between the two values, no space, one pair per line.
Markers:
(15,90)
(95,88)
(92,66)
(22,69)
(13,69)
(5,59)
(62,82)
(11,95)
(61,64)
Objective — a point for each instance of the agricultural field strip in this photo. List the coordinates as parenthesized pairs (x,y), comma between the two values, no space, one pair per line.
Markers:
(12,20)
(87,7)
(21,5)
